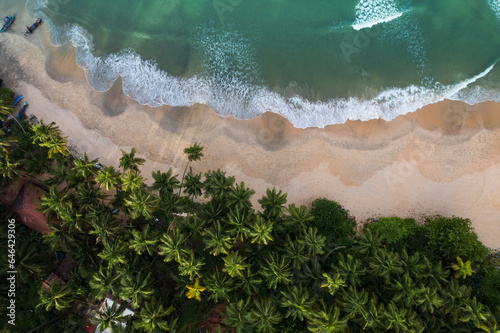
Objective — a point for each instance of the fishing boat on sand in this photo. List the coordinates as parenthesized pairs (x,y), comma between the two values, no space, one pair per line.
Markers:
(33,26)
(8,22)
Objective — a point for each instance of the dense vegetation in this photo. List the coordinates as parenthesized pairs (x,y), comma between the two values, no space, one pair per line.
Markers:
(183,247)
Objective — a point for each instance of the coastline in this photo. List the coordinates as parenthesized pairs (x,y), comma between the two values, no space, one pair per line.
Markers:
(443,159)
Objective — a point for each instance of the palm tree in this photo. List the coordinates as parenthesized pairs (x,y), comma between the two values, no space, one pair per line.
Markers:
(325,319)
(59,296)
(30,260)
(264,315)
(214,211)
(386,264)
(396,319)
(193,185)
(106,227)
(219,285)
(297,302)
(143,241)
(84,167)
(235,315)
(239,197)
(110,317)
(217,184)
(75,221)
(261,231)
(56,202)
(234,264)
(137,288)
(277,271)
(88,196)
(299,218)
(132,181)
(314,243)
(239,222)
(108,178)
(173,247)
(195,290)
(130,162)
(115,253)
(249,282)
(152,317)
(164,182)
(6,142)
(8,170)
(104,282)
(217,241)
(142,203)
(462,270)
(351,270)
(56,145)
(353,302)
(49,136)
(368,243)
(406,291)
(429,300)
(193,225)
(191,266)
(273,203)
(172,203)
(373,317)
(61,238)
(333,283)
(59,173)
(475,312)
(295,251)
(413,264)
(194,153)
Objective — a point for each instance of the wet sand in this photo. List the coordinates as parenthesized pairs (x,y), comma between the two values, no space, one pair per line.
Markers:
(443,159)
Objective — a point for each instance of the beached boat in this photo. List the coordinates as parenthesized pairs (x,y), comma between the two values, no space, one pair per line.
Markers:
(8,22)
(33,26)
(22,112)
(17,100)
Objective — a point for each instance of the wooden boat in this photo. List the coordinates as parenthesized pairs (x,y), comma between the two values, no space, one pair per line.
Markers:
(33,26)
(8,22)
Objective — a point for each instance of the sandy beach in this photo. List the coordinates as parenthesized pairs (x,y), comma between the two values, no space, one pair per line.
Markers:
(443,159)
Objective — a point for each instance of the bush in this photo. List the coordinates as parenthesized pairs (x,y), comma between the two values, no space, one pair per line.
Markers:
(452,237)
(333,221)
(395,230)
(489,292)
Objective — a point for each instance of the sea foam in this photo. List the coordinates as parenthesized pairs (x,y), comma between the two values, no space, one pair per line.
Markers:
(373,12)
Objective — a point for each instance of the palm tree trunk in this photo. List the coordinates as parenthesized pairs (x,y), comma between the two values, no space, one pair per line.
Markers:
(182,179)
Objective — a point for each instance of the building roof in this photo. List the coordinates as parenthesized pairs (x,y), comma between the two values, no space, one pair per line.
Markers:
(26,203)
(65,268)
(51,279)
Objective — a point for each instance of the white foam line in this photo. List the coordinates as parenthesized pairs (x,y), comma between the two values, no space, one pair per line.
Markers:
(369,24)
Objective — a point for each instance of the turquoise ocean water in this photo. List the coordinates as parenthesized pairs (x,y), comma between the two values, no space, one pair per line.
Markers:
(314,62)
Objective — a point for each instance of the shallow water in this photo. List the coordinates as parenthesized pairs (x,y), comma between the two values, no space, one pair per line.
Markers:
(315,64)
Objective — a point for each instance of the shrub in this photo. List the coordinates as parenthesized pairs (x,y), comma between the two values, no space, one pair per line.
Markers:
(333,221)
(489,292)
(452,237)
(395,230)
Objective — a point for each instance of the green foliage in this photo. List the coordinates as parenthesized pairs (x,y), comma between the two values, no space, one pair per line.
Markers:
(332,221)
(489,291)
(394,230)
(451,237)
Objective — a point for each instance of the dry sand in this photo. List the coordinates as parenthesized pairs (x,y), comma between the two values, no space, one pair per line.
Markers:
(443,159)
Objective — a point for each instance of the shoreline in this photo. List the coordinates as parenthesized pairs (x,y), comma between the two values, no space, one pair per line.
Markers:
(443,159)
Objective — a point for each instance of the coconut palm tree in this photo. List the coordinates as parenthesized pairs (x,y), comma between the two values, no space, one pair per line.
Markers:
(273,203)
(193,225)
(61,238)
(276,270)
(144,241)
(350,269)
(137,288)
(299,218)
(264,315)
(194,153)
(172,246)
(75,220)
(56,202)
(406,292)
(261,231)
(219,285)
(49,136)
(216,183)
(105,282)
(373,317)
(59,173)
(250,282)
(191,266)
(234,264)
(429,300)
(142,203)
(475,312)
(325,319)
(297,302)
(353,302)
(236,313)
(193,185)
(108,178)
(84,167)
(369,243)
(56,146)
(195,290)
(30,260)
(106,227)
(9,171)
(88,196)
(239,196)
(110,317)
(130,162)
(386,264)
(172,203)
(214,211)
(413,264)
(239,223)
(59,296)
(314,243)
(115,253)
(217,241)
(6,142)
(132,181)
(333,282)
(395,319)
(295,251)
(164,182)
(153,317)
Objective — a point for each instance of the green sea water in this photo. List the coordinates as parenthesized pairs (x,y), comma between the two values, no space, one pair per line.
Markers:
(315,62)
